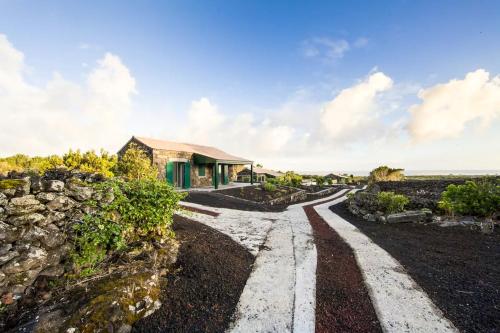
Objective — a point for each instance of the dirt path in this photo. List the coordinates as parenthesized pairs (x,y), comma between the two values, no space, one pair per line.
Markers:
(280,293)
(401,305)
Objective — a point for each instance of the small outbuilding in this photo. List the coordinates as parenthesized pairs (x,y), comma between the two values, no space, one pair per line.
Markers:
(336,178)
(186,165)
(259,174)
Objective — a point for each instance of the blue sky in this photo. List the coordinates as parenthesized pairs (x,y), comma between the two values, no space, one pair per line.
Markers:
(267,74)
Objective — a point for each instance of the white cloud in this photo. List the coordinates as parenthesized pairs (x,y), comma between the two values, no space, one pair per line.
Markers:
(50,118)
(354,110)
(325,48)
(446,109)
(239,133)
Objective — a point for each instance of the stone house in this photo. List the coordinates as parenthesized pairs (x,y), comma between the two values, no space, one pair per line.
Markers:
(336,178)
(259,174)
(186,165)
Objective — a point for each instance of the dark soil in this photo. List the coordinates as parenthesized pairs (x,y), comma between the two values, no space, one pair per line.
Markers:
(458,268)
(202,295)
(213,199)
(342,300)
(199,210)
(257,193)
(422,193)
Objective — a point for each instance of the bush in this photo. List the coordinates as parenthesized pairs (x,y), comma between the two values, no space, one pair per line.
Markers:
(384,173)
(104,163)
(391,203)
(135,164)
(25,163)
(291,179)
(269,187)
(481,198)
(141,209)
(329,181)
(320,180)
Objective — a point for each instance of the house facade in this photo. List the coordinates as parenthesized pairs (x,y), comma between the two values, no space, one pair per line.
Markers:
(187,165)
(336,178)
(259,174)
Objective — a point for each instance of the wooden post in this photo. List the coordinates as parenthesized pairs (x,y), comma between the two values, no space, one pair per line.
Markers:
(216,175)
(251,173)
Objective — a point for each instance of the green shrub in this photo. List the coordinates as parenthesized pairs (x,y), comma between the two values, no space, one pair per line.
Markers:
(320,180)
(135,164)
(269,187)
(384,173)
(478,198)
(391,203)
(290,178)
(102,163)
(329,181)
(141,209)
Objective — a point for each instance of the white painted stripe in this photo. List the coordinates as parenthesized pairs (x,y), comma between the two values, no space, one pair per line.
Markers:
(401,305)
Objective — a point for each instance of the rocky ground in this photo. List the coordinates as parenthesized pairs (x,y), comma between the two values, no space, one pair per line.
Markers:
(459,268)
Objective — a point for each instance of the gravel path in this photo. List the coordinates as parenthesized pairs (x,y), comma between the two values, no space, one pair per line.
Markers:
(280,294)
(401,305)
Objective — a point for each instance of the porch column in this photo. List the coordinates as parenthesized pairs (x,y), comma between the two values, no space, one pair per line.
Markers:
(216,175)
(251,173)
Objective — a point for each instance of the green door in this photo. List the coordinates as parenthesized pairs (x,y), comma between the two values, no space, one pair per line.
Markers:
(187,175)
(169,171)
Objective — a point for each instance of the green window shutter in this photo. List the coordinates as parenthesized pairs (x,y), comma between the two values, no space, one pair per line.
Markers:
(187,175)
(226,174)
(169,170)
(201,170)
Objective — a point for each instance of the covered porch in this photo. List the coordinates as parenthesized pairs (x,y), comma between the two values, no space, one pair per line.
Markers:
(220,168)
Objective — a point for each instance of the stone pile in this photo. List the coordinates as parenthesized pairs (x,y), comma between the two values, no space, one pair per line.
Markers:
(36,218)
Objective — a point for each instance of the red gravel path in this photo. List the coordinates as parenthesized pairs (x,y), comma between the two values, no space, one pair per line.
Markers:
(342,300)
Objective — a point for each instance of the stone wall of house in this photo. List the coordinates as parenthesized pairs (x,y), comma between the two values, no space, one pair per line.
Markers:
(36,219)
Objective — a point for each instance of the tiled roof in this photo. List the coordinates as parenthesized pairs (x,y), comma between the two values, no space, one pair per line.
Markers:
(267,171)
(190,148)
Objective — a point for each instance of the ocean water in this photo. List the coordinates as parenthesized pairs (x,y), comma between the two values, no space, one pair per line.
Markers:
(412,172)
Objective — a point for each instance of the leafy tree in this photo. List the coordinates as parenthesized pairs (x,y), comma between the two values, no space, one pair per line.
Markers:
(135,164)
(384,173)
(258,165)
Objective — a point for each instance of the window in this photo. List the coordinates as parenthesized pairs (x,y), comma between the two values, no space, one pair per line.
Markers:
(201,170)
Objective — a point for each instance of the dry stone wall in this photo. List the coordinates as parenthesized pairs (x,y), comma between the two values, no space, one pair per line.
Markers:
(36,219)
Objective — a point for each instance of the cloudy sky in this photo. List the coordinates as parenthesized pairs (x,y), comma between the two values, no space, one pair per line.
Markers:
(339,85)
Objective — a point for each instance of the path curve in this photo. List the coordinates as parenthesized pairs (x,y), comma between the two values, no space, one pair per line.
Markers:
(401,305)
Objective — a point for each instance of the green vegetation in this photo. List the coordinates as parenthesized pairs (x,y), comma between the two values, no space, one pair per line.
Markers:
(269,187)
(384,173)
(290,178)
(141,209)
(391,203)
(10,183)
(320,180)
(102,163)
(478,198)
(135,164)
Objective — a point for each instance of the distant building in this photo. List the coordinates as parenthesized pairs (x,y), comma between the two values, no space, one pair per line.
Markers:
(336,178)
(259,174)
(187,165)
